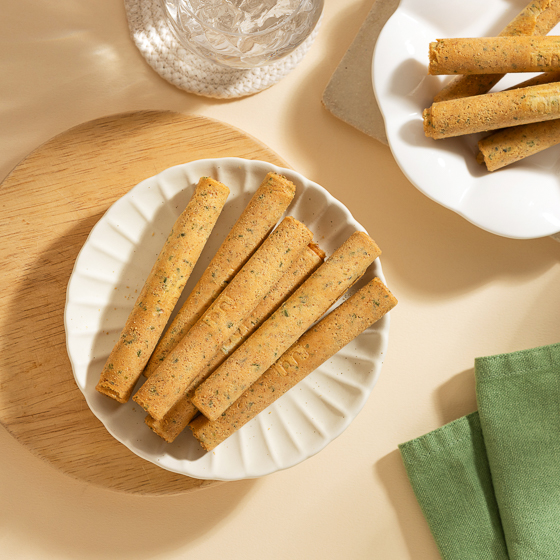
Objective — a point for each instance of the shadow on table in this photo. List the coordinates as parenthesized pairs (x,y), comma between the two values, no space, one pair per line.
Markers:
(416,533)
(455,398)
(68,519)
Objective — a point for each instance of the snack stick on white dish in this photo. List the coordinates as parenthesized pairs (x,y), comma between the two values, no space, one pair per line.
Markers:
(493,55)
(509,145)
(538,18)
(315,347)
(492,111)
(173,378)
(516,143)
(162,290)
(287,324)
(184,411)
(262,213)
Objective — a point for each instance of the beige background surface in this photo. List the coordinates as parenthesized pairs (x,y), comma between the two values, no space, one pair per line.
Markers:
(463,293)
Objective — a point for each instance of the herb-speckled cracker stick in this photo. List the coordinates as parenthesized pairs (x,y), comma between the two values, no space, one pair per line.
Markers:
(161,291)
(238,299)
(316,346)
(493,55)
(492,111)
(513,144)
(516,143)
(184,411)
(257,220)
(538,18)
(286,325)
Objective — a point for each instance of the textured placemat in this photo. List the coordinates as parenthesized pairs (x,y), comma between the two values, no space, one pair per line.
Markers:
(191,73)
(349,94)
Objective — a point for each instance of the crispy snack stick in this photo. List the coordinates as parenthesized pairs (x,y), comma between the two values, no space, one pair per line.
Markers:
(494,55)
(286,325)
(315,347)
(238,299)
(547,19)
(516,143)
(184,411)
(538,18)
(257,220)
(161,291)
(492,111)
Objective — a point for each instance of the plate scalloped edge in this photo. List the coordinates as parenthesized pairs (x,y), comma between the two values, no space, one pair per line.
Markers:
(121,249)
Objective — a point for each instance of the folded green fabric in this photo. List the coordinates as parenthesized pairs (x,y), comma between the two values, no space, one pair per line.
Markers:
(489,483)
(449,472)
(519,405)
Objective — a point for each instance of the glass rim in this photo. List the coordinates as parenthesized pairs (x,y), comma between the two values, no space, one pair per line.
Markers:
(233,33)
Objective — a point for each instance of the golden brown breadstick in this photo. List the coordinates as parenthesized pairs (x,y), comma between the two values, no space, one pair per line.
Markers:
(494,55)
(513,144)
(257,220)
(162,289)
(492,111)
(184,411)
(516,143)
(238,299)
(308,261)
(547,19)
(286,325)
(316,346)
(538,18)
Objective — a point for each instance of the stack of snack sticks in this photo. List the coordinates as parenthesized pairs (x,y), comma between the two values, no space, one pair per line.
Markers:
(527,116)
(245,320)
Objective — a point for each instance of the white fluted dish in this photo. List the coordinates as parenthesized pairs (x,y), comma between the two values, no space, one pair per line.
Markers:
(520,201)
(110,272)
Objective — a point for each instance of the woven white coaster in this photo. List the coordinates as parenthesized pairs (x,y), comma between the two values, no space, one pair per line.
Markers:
(191,73)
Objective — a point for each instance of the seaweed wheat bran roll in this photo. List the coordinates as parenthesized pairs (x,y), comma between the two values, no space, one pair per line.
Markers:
(304,265)
(184,411)
(492,111)
(177,372)
(262,213)
(547,19)
(287,324)
(537,18)
(176,420)
(494,55)
(315,347)
(161,290)
(514,144)
(308,261)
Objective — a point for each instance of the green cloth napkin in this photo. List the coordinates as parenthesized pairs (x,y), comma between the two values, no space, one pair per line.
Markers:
(519,405)
(489,483)
(449,471)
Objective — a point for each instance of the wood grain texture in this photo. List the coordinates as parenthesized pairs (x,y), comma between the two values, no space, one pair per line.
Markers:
(48,205)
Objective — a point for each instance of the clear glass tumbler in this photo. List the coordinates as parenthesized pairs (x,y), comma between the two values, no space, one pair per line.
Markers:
(242,33)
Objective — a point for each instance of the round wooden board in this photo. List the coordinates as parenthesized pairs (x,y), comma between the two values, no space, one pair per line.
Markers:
(48,204)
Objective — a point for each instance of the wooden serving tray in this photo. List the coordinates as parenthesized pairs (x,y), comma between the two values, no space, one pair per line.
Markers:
(48,205)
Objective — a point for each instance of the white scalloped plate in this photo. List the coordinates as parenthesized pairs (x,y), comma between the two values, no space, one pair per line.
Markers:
(519,201)
(109,273)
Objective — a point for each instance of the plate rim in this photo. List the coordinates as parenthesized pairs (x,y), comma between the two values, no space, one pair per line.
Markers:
(384,332)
